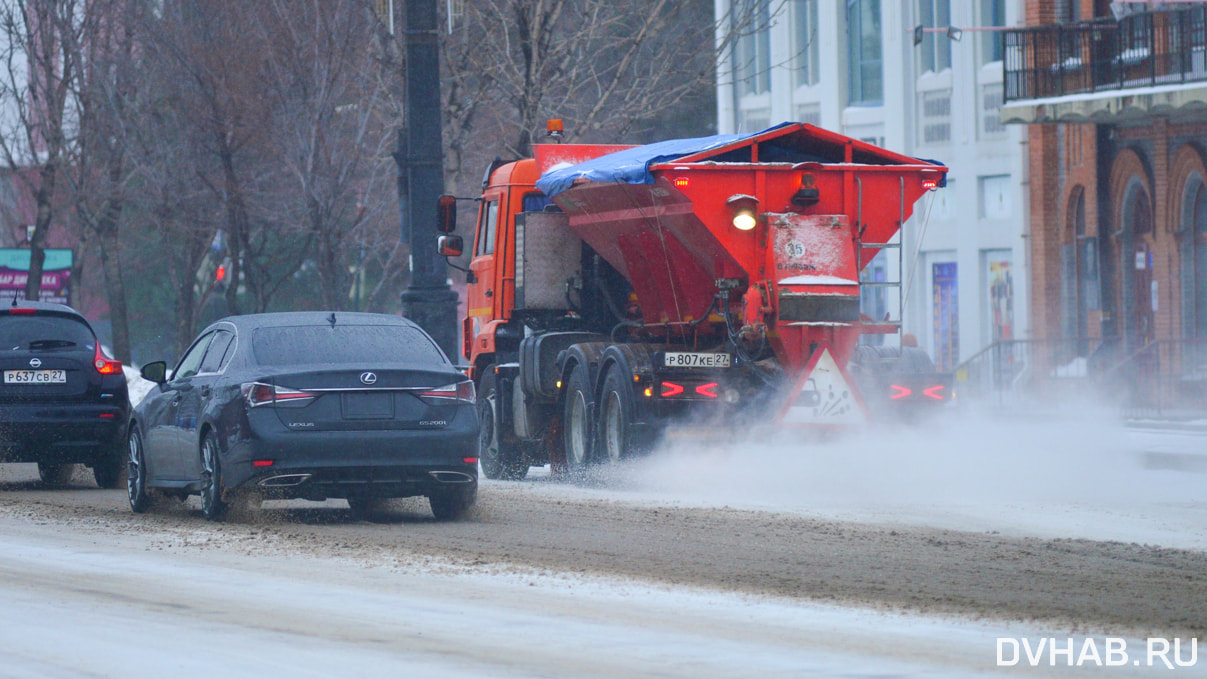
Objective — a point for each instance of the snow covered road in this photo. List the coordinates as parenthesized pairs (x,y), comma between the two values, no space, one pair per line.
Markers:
(900,554)
(99,605)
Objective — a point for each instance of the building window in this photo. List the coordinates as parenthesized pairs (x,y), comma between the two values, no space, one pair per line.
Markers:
(935,120)
(1194,215)
(752,51)
(809,113)
(864,53)
(991,116)
(804,42)
(1139,291)
(1087,262)
(999,283)
(944,207)
(936,47)
(995,197)
(754,119)
(993,13)
(1079,277)
(945,314)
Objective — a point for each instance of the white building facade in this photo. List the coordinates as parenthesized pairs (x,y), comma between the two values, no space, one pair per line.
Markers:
(852,66)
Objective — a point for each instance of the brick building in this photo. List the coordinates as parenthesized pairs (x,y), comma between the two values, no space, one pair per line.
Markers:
(1114,97)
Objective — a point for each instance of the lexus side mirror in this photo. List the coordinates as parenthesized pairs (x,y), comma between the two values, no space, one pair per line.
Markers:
(450,245)
(156,372)
(446,209)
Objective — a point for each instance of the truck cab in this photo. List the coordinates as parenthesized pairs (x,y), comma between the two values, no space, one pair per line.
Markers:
(490,296)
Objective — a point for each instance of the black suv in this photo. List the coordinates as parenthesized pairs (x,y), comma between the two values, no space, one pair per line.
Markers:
(62,401)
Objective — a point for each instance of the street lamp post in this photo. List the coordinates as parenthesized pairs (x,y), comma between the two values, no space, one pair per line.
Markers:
(428,300)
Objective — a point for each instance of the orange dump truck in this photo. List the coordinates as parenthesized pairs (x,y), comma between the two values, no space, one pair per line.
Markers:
(615,291)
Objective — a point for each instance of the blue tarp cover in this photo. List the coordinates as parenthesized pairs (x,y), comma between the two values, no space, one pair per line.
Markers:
(631,166)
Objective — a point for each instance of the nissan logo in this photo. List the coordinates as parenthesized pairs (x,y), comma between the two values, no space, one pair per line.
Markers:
(368,378)
(35,362)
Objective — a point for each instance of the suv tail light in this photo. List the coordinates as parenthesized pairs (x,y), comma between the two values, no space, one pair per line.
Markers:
(260,394)
(105,365)
(458,392)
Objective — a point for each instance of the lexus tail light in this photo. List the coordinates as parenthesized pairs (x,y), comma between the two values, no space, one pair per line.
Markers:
(260,394)
(458,392)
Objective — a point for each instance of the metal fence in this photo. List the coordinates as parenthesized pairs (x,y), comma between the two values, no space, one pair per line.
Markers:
(1139,50)
(1166,378)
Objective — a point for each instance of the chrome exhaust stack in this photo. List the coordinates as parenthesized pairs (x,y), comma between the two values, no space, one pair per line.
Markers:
(452,477)
(284,481)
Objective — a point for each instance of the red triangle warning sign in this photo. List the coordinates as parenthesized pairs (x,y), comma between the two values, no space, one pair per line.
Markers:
(823,395)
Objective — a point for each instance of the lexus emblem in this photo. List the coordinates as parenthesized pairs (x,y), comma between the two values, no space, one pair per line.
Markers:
(367,378)
(35,362)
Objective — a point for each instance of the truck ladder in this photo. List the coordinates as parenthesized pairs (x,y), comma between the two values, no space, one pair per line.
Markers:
(888,325)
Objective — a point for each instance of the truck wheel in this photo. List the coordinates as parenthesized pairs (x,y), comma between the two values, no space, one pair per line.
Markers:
(500,454)
(616,418)
(576,426)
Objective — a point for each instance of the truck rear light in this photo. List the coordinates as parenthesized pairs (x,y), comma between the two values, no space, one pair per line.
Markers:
(744,207)
(899,391)
(681,182)
(807,194)
(260,394)
(933,392)
(673,389)
(104,365)
(670,389)
(743,220)
(458,392)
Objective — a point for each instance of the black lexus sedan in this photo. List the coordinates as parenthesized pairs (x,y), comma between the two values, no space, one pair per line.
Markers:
(307,405)
(63,402)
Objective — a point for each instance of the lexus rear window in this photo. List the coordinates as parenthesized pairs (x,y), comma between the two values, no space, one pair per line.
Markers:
(344,344)
(38,332)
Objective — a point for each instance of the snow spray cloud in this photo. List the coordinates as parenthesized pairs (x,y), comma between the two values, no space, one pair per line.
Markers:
(1077,453)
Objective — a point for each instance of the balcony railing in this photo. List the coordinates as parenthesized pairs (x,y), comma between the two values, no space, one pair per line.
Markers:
(1167,378)
(1139,50)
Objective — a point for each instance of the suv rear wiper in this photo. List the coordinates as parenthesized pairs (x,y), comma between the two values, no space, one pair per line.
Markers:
(51,344)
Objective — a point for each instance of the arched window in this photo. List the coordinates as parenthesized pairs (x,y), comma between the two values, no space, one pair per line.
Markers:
(1138,261)
(1140,217)
(1079,264)
(1194,215)
(1087,270)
